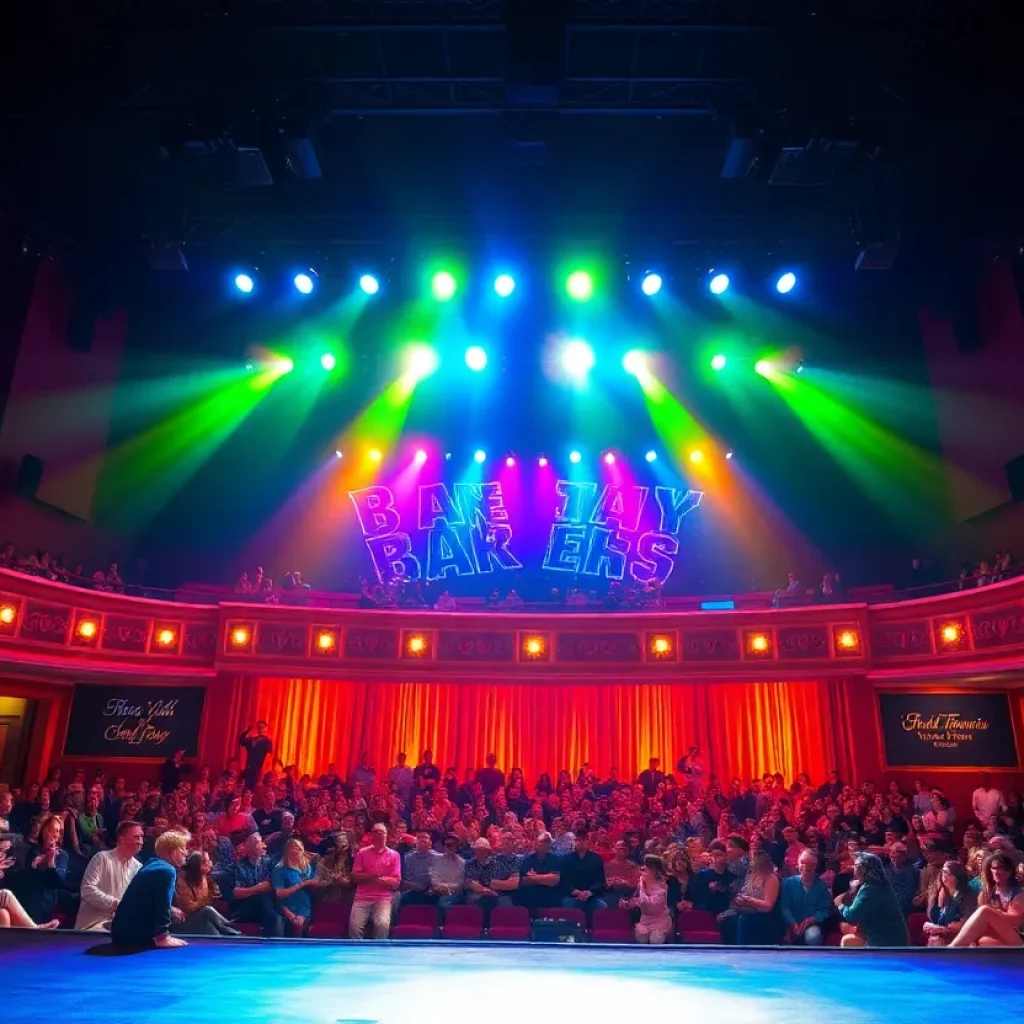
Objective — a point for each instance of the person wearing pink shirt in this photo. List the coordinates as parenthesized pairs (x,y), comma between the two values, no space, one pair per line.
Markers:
(376,873)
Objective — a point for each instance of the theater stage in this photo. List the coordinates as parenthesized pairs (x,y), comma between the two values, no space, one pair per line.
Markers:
(67,977)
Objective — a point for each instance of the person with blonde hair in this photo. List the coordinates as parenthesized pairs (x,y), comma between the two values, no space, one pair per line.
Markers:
(145,913)
(291,880)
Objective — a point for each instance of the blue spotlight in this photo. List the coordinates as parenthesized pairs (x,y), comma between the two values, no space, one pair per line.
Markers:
(504,285)
(369,284)
(476,358)
(651,284)
(651,456)
(718,284)
(304,283)
(577,358)
(244,283)
(479,455)
(786,283)
(575,457)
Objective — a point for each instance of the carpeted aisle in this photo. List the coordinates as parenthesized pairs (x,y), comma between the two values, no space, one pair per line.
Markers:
(74,979)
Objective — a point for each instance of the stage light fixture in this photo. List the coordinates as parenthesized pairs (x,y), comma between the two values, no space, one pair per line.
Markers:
(7,614)
(87,629)
(447,456)
(759,643)
(635,362)
(580,286)
(369,284)
(479,455)
(609,458)
(575,457)
(651,284)
(696,455)
(951,633)
(504,285)
(533,646)
(719,284)
(786,283)
(326,640)
(240,636)
(303,283)
(476,358)
(328,361)
(421,361)
(651,456)
(416,644)
(375,455)
(848,640)
(338,453)
(762,367)
(729,455)
(165,637)
(542,461)
(510,461)
(577,358)
(244,283)
(718,362)
(285,365)
(443,286)
(799,367)
(420,457)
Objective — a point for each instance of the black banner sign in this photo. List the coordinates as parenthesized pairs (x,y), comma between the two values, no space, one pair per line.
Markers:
(948,730)
(134,721)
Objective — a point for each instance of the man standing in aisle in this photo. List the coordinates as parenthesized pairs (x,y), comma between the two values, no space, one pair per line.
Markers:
(376,873)
(258,748)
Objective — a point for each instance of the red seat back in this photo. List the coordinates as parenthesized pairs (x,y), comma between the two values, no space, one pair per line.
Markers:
(510,917)
(464,916)
(613,919)
(418,913)
(696,921)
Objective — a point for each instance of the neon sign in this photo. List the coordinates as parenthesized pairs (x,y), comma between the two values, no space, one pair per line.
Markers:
(463,530)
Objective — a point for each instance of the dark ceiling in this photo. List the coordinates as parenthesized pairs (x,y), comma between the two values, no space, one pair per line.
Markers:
(846,123)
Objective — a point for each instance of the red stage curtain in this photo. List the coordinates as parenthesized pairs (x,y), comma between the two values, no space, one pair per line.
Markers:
(742,728)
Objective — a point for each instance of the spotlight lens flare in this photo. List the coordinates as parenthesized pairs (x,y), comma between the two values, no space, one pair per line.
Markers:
(375,455)
(786,283)
(580,286)
(369,284)
(719,284)
(304,283)
(577,358)
(510,462)
(338,453)
(244,283)
(421,457)
(609,458)
(575,457)
(635,363)
(718,362)
(542,461)
(476,358)
(421,361)
(651,456)
(328,361)
(651,284)
(697,456)
(443,286)
(504,285)
(762,367)
(479,455)
(729,455)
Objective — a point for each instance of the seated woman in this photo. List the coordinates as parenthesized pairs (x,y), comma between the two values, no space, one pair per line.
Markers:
(194,895)
(677,862)
(755,918)
(144,916)
(651,899)
(870,910)
(950,903)
(290,881)
(621,875)
(334,872)
(12,913)
(44,880)
(1000,915)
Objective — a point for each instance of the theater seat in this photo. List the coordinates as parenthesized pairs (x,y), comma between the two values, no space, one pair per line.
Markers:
(509,924)
(613,925)
(915,925)
(697,927)
(416,922)
(564,914)
(250,928)
(834,938)
(701,938)
(464,923)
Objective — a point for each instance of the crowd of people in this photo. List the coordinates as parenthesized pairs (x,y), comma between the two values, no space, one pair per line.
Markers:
(203,852)
(54,567)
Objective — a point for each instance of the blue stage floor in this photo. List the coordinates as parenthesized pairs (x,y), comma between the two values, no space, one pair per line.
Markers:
(67,977)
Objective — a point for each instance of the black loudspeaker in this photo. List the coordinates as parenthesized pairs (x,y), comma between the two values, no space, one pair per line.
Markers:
(1015,478)
(30,476)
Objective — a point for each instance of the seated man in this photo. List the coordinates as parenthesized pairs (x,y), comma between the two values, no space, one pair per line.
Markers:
(416,873)
(806,903)
(448,874)
(144,914)
(377,874)
(251,897)
(107,876)
(490,881)
(712,886)
(583,878)
(540,876)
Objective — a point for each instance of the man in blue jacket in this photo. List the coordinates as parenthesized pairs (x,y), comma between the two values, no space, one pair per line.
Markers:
(144,915)
(806,903)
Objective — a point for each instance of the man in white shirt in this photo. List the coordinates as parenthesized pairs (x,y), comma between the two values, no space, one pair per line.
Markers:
(987,802)
(107,876)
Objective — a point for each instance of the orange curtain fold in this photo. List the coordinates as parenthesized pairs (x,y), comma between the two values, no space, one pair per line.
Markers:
(742,728)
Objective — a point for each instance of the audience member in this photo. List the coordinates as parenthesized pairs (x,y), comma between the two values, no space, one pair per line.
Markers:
(1000,915)
(107,876)
(806,903)
(377,874)
(145,913)
(651,899)
(870,910)
(194,896)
